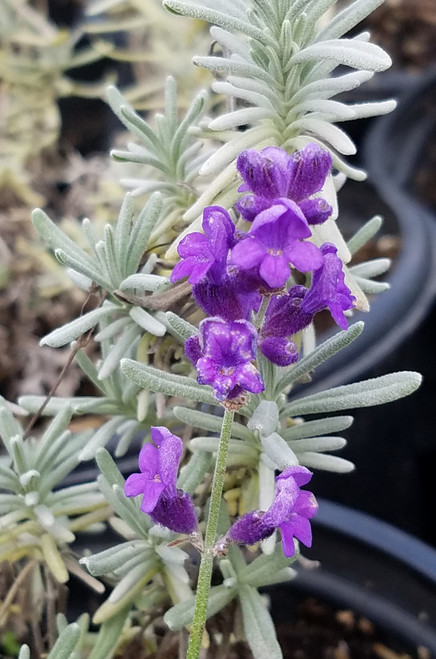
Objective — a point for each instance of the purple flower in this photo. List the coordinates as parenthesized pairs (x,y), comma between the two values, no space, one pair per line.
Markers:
(280,351)
(273,175)
(206,254)
(328,288)
(228,300)
(283,319)
(159,464)
(223,354)
(288,314)
(290,511)
(284,316)
(275,241)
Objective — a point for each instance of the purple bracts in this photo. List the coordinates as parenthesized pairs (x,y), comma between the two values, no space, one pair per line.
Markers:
(290,511)
(273,175)
(223,354)
(156,481)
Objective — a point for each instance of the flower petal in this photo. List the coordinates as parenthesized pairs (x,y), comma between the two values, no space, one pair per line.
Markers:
(251,205)
(287,539)
(249,529)
(170,453)
(300,527)
(304,255)
(134,485)
(275,270)
(148,460)
(249,378)
(151,495)
(301,475)
(247,253)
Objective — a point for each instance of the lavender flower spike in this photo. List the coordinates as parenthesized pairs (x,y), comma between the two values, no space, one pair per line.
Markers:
(156,481)
(290,511)
(223,355)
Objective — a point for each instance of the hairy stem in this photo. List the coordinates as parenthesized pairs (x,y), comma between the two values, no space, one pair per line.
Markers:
(260,316)
(206,565)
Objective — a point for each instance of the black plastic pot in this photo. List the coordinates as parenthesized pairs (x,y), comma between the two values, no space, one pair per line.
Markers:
(371,569)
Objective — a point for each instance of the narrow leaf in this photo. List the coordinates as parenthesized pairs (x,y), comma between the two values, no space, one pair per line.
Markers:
(147,321)
(364,234)
(169,384)
(71,331)
(179,327)
(181,615)
(319,427)
(242,117)
(109,636)
(141,282)
(122,231)
(350,52)
(258,572)
(57,239)
(228,21)
(348,18)
(318,444)
(258,626)
(375,391)
(325,462)
(211,422)
(142,228)
(327,349)
(66,643)
(326,132)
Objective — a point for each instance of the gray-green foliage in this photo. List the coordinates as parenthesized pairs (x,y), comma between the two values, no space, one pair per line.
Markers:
(37,515)
(273,61)
(276,63)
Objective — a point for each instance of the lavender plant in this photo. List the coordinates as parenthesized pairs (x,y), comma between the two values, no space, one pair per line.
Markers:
(202,336)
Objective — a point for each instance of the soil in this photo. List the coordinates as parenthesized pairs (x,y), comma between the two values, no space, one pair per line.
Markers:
(321,632)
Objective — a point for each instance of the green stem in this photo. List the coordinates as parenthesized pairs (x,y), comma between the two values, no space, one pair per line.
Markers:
(206,565)
(262,311)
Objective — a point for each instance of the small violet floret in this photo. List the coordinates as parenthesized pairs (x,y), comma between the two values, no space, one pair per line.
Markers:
(205,255)
(328,289)
(290,511)
(274,242)
(223,353)
(283,319)
(159,464)
(289,314)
